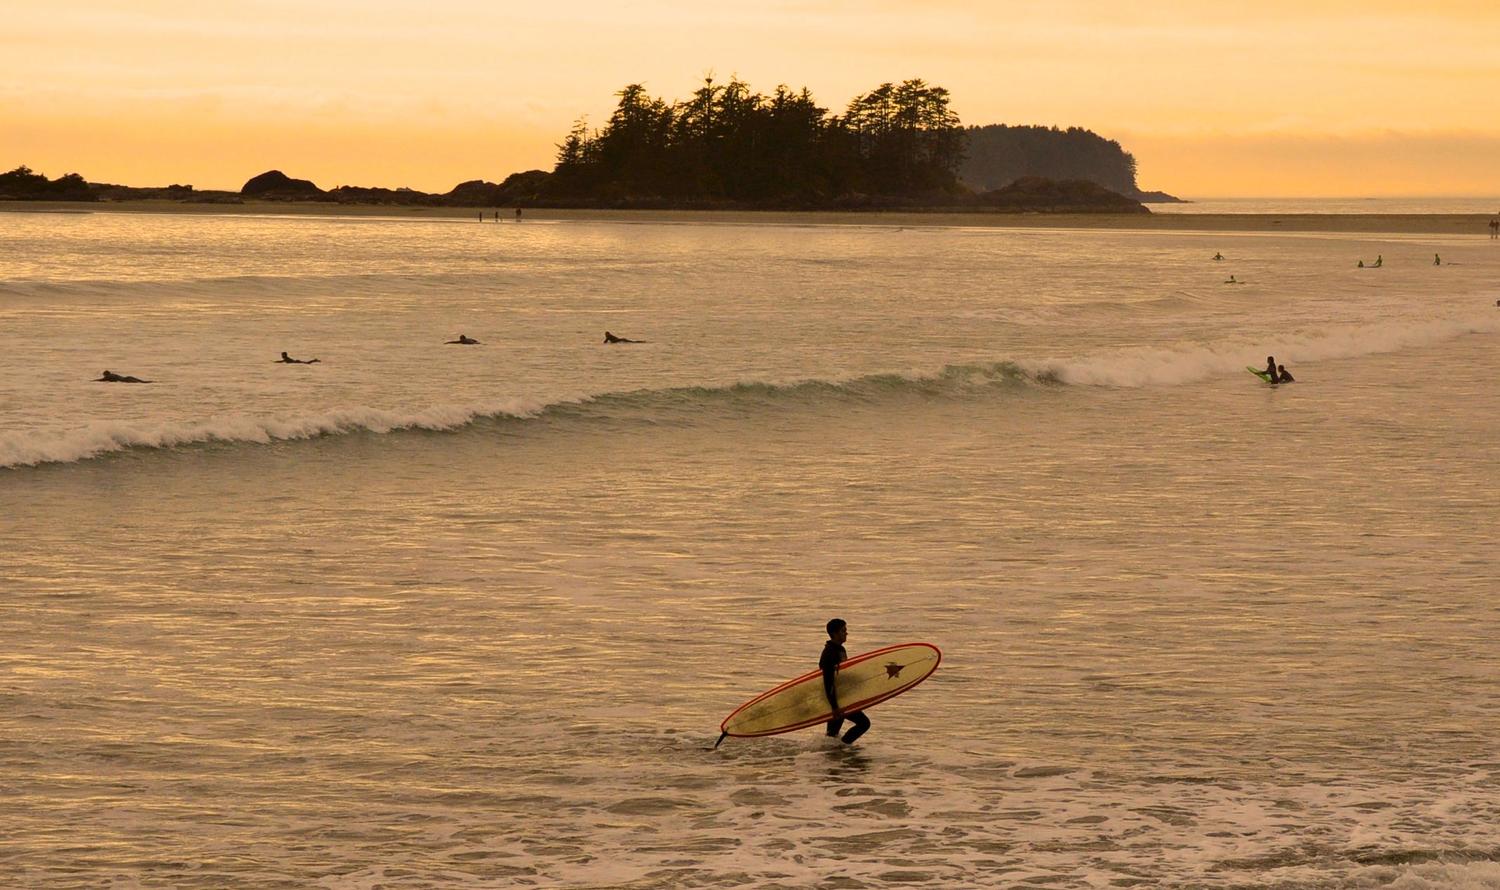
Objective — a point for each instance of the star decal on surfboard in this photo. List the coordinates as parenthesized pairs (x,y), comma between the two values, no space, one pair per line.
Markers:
(893,670)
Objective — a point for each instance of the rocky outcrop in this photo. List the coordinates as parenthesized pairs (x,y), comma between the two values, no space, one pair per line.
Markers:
(273,185)
(1033,194)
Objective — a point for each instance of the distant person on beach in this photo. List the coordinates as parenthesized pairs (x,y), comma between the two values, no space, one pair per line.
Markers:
(288,360)
(112,377)
(518,214)
(1495,228)
(833,656)
(1283,375)
(497,216)
(1272,375)
(463,340)
(611,338)
(1218,256)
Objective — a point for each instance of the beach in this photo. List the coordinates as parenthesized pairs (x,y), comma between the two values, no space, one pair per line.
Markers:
(428,615)
(1158,221)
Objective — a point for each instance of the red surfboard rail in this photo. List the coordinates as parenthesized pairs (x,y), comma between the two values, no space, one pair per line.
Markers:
(859,705)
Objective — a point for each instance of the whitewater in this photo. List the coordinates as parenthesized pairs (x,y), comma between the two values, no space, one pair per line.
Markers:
(437,615)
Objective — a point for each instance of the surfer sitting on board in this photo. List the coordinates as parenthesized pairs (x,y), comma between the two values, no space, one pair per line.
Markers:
(833,656)
(288,360)
(1270,372)
(1283,375)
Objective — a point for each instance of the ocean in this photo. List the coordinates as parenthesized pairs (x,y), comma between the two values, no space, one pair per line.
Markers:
(425,615)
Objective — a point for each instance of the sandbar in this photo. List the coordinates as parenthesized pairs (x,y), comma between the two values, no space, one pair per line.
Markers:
(1354,223)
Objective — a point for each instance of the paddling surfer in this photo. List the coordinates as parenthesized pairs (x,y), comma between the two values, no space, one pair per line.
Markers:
(112,377)
(611,338)
(288,360)
(463,340)
(833,656)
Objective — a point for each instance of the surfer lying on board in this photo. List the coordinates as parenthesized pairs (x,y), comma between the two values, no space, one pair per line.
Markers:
(611,338)
(112,377)
(833,656)
(288,360)
(462,341)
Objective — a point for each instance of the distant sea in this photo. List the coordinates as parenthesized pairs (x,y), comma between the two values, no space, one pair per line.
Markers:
(426,615)
(1490,205)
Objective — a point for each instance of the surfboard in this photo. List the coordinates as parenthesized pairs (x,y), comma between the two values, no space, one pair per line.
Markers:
(863,682)
(1259,373)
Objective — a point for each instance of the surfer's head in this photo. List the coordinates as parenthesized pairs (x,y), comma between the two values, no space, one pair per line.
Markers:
(838,630)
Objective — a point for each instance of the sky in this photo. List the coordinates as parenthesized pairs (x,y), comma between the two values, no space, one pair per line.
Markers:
(1259,98)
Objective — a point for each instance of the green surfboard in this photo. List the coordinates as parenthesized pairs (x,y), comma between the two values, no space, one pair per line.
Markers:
(1259,373)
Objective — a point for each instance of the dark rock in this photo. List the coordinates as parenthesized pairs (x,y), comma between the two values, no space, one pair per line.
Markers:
(277,186)
(1033,194)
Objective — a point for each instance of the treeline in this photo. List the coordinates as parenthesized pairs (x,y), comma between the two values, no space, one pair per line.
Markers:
(21,184)
(999,155)
(728,144)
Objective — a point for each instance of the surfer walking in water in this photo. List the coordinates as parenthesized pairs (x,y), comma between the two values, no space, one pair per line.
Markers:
(833,656)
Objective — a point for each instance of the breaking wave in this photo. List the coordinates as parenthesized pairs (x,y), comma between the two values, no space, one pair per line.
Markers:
(1124,368)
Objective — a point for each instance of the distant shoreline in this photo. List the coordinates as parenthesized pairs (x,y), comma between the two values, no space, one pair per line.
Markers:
(1373,223)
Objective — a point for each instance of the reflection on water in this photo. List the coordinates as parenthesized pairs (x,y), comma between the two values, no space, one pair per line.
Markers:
(1198,632)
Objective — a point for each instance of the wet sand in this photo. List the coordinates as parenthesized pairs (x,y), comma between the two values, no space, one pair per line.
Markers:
(1413,224)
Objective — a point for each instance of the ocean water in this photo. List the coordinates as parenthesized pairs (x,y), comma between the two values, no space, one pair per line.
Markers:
(424,615)
(1410,205)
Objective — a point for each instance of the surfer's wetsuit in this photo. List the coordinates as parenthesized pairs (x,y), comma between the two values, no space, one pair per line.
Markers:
(833,656)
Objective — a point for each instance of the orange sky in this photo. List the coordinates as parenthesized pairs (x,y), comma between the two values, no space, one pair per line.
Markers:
(1322,97)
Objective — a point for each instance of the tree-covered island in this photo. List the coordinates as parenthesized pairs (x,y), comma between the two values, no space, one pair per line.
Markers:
(899,146)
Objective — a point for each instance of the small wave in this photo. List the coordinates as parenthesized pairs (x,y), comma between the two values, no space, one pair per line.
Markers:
(1158,366)
(1122,368)
(104,437)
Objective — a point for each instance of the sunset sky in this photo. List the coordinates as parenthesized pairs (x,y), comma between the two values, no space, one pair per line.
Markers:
(1319,97)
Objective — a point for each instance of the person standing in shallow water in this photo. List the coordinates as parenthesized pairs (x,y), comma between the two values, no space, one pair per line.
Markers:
(833,656)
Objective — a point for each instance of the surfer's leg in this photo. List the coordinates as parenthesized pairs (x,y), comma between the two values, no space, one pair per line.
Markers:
(861,723)
(833,726)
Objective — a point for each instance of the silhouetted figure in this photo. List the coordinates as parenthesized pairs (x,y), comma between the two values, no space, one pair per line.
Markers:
(288,360)
(1271,373)
(1438,261)
(1379,261)
(1218,256)
(1283,375)
(112,377)
(611,338)
(1361,264)
(518,214)
(497,216)
(833,656)
(462,340)
(1231,280)
(1495,228)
